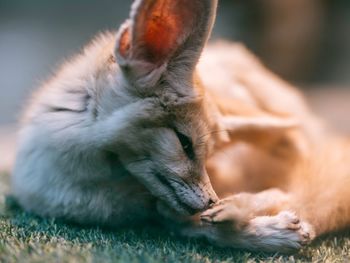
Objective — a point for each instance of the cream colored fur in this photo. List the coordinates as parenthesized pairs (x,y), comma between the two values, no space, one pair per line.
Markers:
(308,164)
(132,128)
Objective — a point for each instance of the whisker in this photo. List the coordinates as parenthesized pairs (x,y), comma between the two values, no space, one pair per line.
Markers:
(201,140)
(212,132)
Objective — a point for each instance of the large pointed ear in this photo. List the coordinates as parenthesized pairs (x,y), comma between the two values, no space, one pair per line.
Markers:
(260,131)
(267,123)
(161,32)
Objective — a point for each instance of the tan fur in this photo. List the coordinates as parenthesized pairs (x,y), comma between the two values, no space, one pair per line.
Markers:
(308,163)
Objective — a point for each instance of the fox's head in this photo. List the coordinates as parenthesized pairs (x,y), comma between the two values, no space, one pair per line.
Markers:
(156,52)
(154,57)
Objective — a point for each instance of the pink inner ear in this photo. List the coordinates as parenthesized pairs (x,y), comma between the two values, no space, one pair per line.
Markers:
(163,28)
(161,35)
(125,42)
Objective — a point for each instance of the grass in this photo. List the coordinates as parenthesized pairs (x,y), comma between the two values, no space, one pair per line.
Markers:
(27,238)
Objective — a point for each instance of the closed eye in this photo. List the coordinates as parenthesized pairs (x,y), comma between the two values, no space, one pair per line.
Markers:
(186,144)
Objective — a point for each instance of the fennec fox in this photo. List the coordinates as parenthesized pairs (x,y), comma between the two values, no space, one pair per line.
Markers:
(122,123)
(130,129)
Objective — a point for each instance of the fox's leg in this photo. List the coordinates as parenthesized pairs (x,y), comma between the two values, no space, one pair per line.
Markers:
(259,221)
(320,190)
(282,233)
(244,206)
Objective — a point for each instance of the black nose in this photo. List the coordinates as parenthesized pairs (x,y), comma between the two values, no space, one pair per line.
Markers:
(211,202)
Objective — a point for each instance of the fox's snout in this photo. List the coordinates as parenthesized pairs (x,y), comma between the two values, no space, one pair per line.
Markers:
(209,203)
(211,199)
(198,196)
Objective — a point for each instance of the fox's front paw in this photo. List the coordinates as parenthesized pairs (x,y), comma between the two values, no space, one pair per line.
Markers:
(281,233)
(232,226)
(227,210)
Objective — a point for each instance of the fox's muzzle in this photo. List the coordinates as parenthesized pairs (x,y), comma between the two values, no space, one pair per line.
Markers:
(197,195)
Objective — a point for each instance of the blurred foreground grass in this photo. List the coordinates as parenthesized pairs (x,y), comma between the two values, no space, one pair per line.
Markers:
(27,238)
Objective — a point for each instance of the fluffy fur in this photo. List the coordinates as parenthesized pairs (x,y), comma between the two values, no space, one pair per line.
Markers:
(132,128)
(308,164)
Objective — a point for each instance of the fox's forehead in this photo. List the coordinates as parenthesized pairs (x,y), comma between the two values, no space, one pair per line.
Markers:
(181,94)
(183,107)
(190,118)
(186,106)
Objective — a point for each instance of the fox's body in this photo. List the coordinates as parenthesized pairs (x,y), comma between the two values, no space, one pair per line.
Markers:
(310,164)
(133,126)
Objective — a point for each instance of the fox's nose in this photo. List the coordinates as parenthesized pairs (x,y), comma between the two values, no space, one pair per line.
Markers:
(211,202)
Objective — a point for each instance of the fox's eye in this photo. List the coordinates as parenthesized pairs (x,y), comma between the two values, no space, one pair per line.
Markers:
(187,145)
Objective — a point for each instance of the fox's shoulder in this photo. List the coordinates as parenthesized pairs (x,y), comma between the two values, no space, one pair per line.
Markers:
(235,71)
(238,80)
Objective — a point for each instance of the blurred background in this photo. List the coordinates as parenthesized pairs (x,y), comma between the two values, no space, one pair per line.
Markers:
(306,42)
